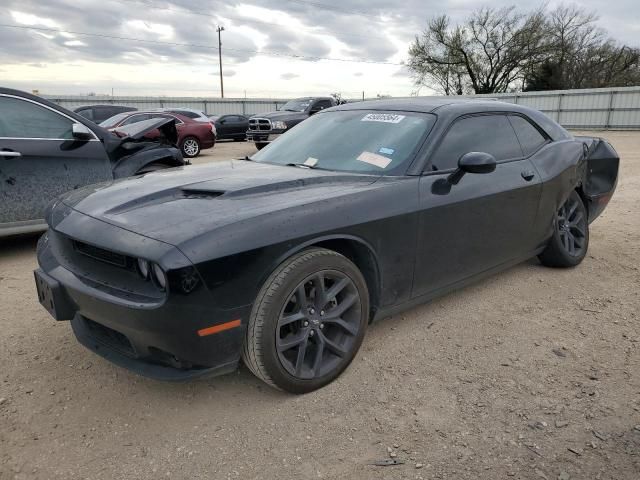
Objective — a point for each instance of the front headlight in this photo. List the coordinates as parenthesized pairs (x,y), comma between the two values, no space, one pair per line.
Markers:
(159,276)
(143,268)
(279,125)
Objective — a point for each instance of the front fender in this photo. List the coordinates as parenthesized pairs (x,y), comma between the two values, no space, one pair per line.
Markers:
(131,164)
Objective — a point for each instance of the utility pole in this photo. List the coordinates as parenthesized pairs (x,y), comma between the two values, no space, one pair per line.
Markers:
(220,29)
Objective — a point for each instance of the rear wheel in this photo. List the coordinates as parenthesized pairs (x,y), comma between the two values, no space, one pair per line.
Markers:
(570,241)
(190,147)
(307,322)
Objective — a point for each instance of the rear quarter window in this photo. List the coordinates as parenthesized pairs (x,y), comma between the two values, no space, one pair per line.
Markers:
(529,136)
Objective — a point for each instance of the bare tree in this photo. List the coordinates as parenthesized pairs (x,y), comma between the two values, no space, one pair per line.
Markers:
(486,54)
(582,56)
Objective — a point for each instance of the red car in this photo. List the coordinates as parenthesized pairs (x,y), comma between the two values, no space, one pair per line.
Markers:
(192,136)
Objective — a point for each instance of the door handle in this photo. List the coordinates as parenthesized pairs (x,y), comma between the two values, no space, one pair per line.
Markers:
(9,153)
(528,175)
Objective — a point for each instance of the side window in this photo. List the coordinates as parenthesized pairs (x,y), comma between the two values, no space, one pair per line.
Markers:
(86,113)
(186,113)
(322,104)
(23,119)
(530,137)
(483,133)
(136,119)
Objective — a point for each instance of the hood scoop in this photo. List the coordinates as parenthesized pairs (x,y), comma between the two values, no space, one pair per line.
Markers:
(165,196)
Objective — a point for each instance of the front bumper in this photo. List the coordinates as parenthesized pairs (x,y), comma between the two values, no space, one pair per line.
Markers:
(156,336)
(261,136)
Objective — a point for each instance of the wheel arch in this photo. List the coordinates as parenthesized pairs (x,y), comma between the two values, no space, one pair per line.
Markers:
(357,250)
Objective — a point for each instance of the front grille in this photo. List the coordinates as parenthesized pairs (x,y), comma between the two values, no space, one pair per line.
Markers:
(101,254)
(263,124)
(110,338)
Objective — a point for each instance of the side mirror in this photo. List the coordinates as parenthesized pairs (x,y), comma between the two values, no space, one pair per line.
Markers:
(81,132)
(473,162)
(222,122)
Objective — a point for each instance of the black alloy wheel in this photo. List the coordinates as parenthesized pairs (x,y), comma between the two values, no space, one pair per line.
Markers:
(319,325)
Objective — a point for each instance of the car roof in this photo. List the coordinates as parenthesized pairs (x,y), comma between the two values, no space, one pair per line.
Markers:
(100,105)
(449,108)
(156,112)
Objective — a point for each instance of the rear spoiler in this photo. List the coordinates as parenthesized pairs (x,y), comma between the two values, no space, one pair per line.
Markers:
(601,176)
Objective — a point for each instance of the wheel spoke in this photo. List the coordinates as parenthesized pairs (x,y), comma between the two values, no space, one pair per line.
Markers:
(317,361)
(291,341)
(342,307)
(576,219)
(335,289)
(571,243)
(292,317)
(346,326)
(571,209)
(302,350)
(332,346)
(318,283)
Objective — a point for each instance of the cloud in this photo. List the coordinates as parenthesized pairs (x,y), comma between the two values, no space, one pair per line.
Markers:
(289,76)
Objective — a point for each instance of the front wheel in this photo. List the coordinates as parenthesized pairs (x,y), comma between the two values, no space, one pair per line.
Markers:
(570,241)
(307,322)
(190,147)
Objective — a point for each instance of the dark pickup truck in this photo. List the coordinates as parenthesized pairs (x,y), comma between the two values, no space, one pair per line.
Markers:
(266,127)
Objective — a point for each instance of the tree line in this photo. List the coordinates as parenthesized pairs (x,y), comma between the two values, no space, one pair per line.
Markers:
(506,49)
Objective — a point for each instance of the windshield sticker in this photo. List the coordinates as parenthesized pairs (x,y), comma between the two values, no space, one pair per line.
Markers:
(386,151)
(374,159)
(383,117)
(311,162)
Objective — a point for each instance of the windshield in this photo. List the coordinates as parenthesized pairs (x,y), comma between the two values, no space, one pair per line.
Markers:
(352,141)
(297,105)
(113,121)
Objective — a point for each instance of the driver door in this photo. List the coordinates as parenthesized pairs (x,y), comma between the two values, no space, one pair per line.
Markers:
(40,159)
(484,221)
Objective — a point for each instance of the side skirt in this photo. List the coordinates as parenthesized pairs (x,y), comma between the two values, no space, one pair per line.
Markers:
(401,307)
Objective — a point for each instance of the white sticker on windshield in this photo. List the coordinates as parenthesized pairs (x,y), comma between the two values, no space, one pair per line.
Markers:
(383,117)
(310,162)
(374,159)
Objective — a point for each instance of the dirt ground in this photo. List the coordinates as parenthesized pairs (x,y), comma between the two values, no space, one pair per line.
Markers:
(531,374)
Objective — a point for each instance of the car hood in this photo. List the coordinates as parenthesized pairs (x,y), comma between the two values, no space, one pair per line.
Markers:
(282,115)
(179,204)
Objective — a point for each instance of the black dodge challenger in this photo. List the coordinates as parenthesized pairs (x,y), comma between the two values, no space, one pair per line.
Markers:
(283,259)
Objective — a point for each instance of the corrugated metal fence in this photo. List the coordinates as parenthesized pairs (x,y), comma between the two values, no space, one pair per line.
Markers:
(597,108)
(601,108)
(211,106)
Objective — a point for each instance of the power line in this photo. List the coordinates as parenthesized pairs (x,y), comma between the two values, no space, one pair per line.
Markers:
(194,45)
(238,19)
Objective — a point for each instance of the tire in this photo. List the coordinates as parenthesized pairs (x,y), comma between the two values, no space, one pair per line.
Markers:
(238,139)
(570,240)
(279,319)
(260,146)
(190,147)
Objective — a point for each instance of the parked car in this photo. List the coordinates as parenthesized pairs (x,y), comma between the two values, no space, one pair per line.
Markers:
(191,113)
(193,136)
(99,113)
(46,150)
(283,260)
(266,127)
(231,127)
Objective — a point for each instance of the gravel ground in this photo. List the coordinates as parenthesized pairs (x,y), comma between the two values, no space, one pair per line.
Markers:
(531,374)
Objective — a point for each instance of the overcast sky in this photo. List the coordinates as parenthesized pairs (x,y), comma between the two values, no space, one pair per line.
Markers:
(263,43)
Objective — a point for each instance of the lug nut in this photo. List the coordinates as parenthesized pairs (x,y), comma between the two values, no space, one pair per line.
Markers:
(321,312)
(321,326)
(312,311)
(311,333)
(306,324)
